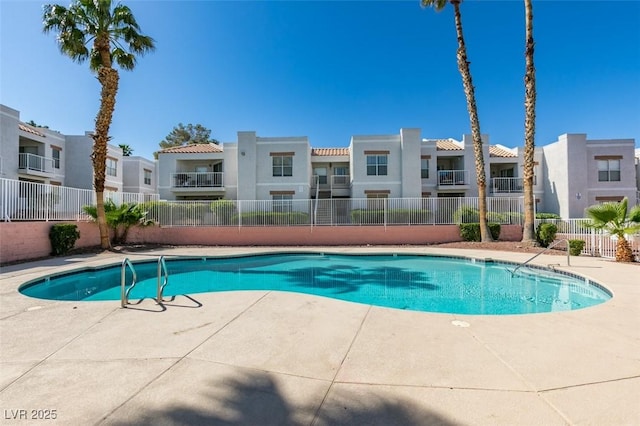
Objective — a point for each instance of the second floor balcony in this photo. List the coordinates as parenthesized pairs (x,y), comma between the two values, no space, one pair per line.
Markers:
(332,183)
(37,164)
(189,180)
(449,179)
(508,185)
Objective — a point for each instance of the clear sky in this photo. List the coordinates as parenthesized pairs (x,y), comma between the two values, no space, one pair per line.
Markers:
(332,69)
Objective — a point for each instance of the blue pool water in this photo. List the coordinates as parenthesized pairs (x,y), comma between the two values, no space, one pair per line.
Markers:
(413,282)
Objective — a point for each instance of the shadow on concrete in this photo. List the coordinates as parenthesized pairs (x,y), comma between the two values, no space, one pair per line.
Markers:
(257,399)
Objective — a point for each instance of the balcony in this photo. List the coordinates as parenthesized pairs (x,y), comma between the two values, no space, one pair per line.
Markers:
(507,185)
(37,165)
(453,179)
(197,181)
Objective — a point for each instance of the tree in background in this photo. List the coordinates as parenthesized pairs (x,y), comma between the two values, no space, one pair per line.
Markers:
(126,150)
(467,83)
(528,233)
(615,219)
(99,31)
(182,135)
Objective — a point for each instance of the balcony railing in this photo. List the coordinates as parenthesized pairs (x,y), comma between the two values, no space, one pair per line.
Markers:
(36,163)
(507,185)
(197,180)
(453,177)
(337,181)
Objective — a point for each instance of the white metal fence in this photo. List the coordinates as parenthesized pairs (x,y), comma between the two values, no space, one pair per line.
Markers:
(20,200)
(597,243)
(333,212)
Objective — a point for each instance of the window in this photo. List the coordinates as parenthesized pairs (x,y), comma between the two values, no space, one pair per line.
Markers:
(112,167)
(55,154)
(376,165)
(608,170)
(424,168)
(282,165)
(321,173)
(147,177)
(282,202)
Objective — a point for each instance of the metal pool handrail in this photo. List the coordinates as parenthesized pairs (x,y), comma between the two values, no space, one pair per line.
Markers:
(163,279)
(555,243)
(124,294)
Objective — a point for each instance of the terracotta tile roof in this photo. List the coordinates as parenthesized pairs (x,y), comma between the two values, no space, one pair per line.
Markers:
(448,145)
(329,152)
(29,129)
(196,148)
(499,151)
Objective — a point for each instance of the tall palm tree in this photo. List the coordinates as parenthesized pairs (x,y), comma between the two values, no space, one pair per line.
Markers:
(99,31)
(465,72)
(528,233)
(614,218)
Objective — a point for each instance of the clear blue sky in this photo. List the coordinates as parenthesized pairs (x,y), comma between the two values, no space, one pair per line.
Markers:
(332,69)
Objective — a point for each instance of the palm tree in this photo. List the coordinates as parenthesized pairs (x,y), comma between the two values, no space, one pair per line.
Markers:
(126,150)
(614,218)
(98,30)
(528,233)
(465,72)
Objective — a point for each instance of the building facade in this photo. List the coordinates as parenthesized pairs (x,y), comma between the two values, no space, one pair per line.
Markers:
(41,155)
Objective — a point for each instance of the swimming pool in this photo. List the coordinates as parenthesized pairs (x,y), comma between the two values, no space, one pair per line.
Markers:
(413,282)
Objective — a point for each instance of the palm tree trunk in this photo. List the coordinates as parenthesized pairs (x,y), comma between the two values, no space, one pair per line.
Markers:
(623,250)
(108,78)
(528,233)
(463,67)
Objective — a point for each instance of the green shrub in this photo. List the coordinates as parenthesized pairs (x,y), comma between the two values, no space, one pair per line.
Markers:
(471,231)
(576,247)
(394,216)
(546,233)
(272,218)
(224,211)
(63,237)
(547,216)
(468,214)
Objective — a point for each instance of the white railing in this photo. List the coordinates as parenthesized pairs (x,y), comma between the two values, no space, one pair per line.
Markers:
(31,201)
(453,177)
(37,163)
(197,180)
(507,185)
(597,243)
(340,181)
(331,212)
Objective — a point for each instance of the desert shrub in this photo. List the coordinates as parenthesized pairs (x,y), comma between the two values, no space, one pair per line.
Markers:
(546,233)
(224,210)
(547,216)
(63,237)
(471,231)
(576,247)
(394,216)
(272,218)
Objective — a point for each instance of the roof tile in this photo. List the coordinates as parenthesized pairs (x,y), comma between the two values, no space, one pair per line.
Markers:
(29,129)
(196,148)
(498,151)
(329,152)
(448,145)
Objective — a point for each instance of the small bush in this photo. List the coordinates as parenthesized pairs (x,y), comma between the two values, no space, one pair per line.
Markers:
(468,214)
(224,211)
(546,233)
(547,216)
(63,237)
(394,216)
(272,218)
(576,247)
(471,231)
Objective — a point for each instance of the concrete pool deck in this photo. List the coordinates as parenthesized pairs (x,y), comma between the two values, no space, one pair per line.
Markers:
(275,358)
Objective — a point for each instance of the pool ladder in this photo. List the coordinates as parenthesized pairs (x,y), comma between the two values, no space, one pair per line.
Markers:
(555,243)
(163,280)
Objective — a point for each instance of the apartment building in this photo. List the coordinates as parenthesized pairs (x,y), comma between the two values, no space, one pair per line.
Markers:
(38,154)
(579,172)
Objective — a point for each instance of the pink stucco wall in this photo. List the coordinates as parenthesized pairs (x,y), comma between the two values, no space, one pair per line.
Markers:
(30,240)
